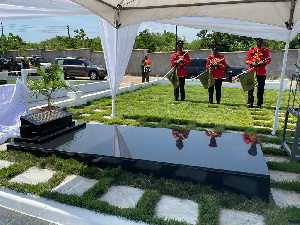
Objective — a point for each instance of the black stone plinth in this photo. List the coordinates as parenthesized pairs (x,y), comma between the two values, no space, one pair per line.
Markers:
(44,123)
(2,82)
(224,160)
(45,126)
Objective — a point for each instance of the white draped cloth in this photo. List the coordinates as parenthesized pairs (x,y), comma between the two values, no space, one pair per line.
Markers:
(13,105)
(117,47)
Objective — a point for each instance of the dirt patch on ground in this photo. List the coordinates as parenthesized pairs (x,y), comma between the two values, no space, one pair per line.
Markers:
(136,80)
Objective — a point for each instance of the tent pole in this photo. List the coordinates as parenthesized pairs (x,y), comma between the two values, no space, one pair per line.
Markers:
(114,95)
(286,49)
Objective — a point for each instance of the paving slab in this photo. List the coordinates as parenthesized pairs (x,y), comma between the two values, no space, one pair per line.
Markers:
(235,217)
(284,198)
(270,145)
(99,110)
(3,147)
(75,185)
(94,122)
(177,209)
(233,131)
(262,127)
(178,125)
(33,176)
(4,163)
(270,158)
(152,122)
(283,176)
(209,129)
(122,196)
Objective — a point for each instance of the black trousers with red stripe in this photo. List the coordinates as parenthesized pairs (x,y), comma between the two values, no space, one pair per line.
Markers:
(181,88)
(217,86)
(261,81)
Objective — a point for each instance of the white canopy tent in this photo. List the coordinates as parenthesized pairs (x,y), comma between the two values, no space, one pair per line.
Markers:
(268,19)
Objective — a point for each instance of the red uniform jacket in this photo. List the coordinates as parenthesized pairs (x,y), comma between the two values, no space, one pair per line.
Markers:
(218,72)
(213,134)
(257,55)
(180,134)
(250,139)
(185,56)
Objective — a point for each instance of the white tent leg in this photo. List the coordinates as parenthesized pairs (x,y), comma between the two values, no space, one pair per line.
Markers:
(286,49)
(116,71)
(113,106)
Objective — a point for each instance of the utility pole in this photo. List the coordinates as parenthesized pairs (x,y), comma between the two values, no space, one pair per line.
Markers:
(2,29)
(68,31)
(176,40)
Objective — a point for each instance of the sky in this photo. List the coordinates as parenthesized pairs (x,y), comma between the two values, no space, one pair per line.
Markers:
(39,29)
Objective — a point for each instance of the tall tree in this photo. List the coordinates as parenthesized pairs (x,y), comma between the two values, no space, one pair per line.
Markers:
(229,42)
(156,42)
(10,42)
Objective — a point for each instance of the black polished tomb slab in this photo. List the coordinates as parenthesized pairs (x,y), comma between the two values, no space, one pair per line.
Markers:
(223,160)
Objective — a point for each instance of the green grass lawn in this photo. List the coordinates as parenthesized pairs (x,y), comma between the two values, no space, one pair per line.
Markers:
(153,106)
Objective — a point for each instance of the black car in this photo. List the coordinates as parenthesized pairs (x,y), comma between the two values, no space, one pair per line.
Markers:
(198,65)
(3,63)
(233,71)
(77,67)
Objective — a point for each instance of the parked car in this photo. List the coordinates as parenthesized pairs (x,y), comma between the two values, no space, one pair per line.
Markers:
(3,63)
(233,71)
(198,65)
(78,67)
(34,60)
(41,60)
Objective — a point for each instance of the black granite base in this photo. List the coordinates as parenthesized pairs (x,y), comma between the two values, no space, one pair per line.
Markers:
(2,82)
(225,161)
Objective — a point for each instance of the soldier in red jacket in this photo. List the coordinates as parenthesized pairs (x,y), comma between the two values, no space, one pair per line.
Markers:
(217,64)
(251,139)
(257,58)
(178,61)
(179,135)
(213,136)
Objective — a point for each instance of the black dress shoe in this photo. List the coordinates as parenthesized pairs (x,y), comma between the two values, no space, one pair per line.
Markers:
(182,100)
(218,102)
(259,106)
(175,99)
(250,105)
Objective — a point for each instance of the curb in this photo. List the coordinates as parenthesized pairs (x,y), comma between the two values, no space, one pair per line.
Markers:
(56,212)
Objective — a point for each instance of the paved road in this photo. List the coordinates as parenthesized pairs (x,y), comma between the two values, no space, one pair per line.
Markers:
(34,208)
(12,217)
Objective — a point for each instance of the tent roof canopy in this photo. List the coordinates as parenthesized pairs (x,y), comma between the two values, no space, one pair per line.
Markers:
(270,12)
(242,28)
(265,18)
